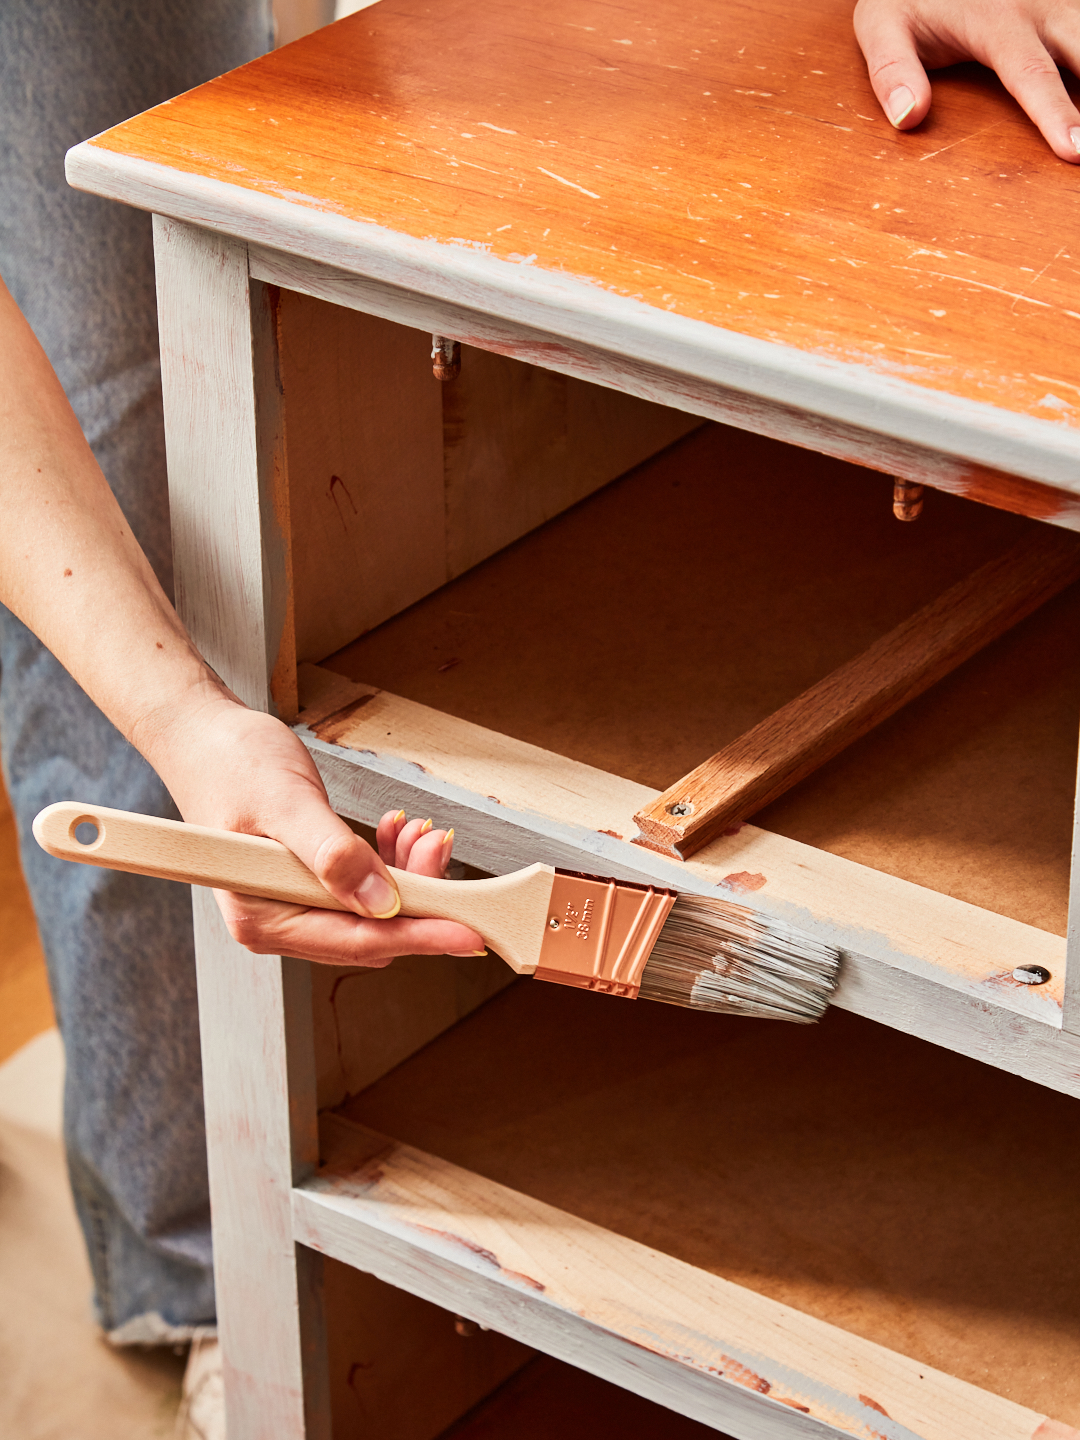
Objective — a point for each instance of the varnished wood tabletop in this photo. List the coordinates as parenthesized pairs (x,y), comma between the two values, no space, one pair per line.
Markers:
(725,162)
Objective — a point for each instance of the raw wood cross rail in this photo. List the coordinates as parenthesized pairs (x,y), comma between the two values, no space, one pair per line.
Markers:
(790,744)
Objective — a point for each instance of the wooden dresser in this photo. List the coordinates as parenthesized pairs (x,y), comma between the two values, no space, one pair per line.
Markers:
(701,310)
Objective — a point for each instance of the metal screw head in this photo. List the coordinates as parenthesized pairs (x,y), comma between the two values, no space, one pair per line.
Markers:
(553,923)
(680,808)
(1031,974)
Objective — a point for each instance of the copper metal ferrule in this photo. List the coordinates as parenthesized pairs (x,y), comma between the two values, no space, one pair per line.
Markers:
(600,933)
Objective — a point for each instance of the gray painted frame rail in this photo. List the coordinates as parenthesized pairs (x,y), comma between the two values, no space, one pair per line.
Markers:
(495,837)
(616,341)
(221,428)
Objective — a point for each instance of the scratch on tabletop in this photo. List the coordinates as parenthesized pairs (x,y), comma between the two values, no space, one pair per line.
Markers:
(1050,380)
(473,166)
(551,175)
(1041,273)
(972,136)
(979,284)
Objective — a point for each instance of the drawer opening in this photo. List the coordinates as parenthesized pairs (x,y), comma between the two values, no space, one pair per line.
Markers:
(397,482)
(664,616)
(906,1195)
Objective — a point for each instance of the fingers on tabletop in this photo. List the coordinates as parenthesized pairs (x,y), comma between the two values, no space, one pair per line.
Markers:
(1024,41)
(1026,60)
(897,74)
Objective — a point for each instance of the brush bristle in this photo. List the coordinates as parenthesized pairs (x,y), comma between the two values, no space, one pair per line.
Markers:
(714,955)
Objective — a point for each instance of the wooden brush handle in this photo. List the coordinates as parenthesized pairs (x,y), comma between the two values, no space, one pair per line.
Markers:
(510,911)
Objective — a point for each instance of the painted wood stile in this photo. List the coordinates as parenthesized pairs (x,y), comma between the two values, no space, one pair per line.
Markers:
(222,430)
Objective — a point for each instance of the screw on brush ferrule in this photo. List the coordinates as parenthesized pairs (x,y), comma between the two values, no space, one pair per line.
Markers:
(600,933)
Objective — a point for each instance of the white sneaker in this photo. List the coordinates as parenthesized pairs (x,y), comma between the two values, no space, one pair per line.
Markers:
(202,1407)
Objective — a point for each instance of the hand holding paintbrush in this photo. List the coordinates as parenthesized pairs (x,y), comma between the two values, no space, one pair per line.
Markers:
(613,936)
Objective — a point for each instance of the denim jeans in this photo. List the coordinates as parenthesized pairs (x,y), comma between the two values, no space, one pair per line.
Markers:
(119,947)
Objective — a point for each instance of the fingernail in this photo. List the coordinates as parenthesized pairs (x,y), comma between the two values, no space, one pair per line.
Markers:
(1074,136)
(447,844)
(900,104)
(399,816)
(466,954)
(378,897)
(425,827)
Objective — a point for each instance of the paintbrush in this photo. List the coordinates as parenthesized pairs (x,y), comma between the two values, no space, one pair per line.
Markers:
(613,936)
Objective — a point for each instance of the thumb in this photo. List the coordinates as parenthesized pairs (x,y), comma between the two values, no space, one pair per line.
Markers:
(348,867)
(896,72)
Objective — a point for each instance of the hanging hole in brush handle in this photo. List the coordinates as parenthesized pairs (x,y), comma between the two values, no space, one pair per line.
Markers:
(171,850)
(86,832)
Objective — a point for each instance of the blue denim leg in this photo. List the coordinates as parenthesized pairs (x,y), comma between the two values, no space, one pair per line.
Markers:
(119,947)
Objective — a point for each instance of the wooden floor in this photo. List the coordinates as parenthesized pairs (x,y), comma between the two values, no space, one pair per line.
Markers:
(61,1380)
(25,1007)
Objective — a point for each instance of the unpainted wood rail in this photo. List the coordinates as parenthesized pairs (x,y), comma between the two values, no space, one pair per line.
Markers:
(801,736)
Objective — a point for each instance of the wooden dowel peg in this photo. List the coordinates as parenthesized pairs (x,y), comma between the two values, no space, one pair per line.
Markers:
(445,358)
(907,500)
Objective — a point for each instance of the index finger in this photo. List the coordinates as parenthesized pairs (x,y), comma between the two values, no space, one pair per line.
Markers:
(1027,70)
(892,60)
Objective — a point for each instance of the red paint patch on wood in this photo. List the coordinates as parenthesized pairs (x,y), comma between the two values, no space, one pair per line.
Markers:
(483,1254)
(873,1405)
(478,1250)
(526,1280)
(337,724)
(744,880)
(741,1374)
(613,833)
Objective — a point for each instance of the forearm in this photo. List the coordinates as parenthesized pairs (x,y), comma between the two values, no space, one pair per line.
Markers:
(70,567)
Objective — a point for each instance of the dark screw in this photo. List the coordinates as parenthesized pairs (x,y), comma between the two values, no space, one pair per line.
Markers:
(681,808)
(1031,975)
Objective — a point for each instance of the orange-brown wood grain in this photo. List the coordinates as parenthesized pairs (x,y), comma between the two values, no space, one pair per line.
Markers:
(726,162)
